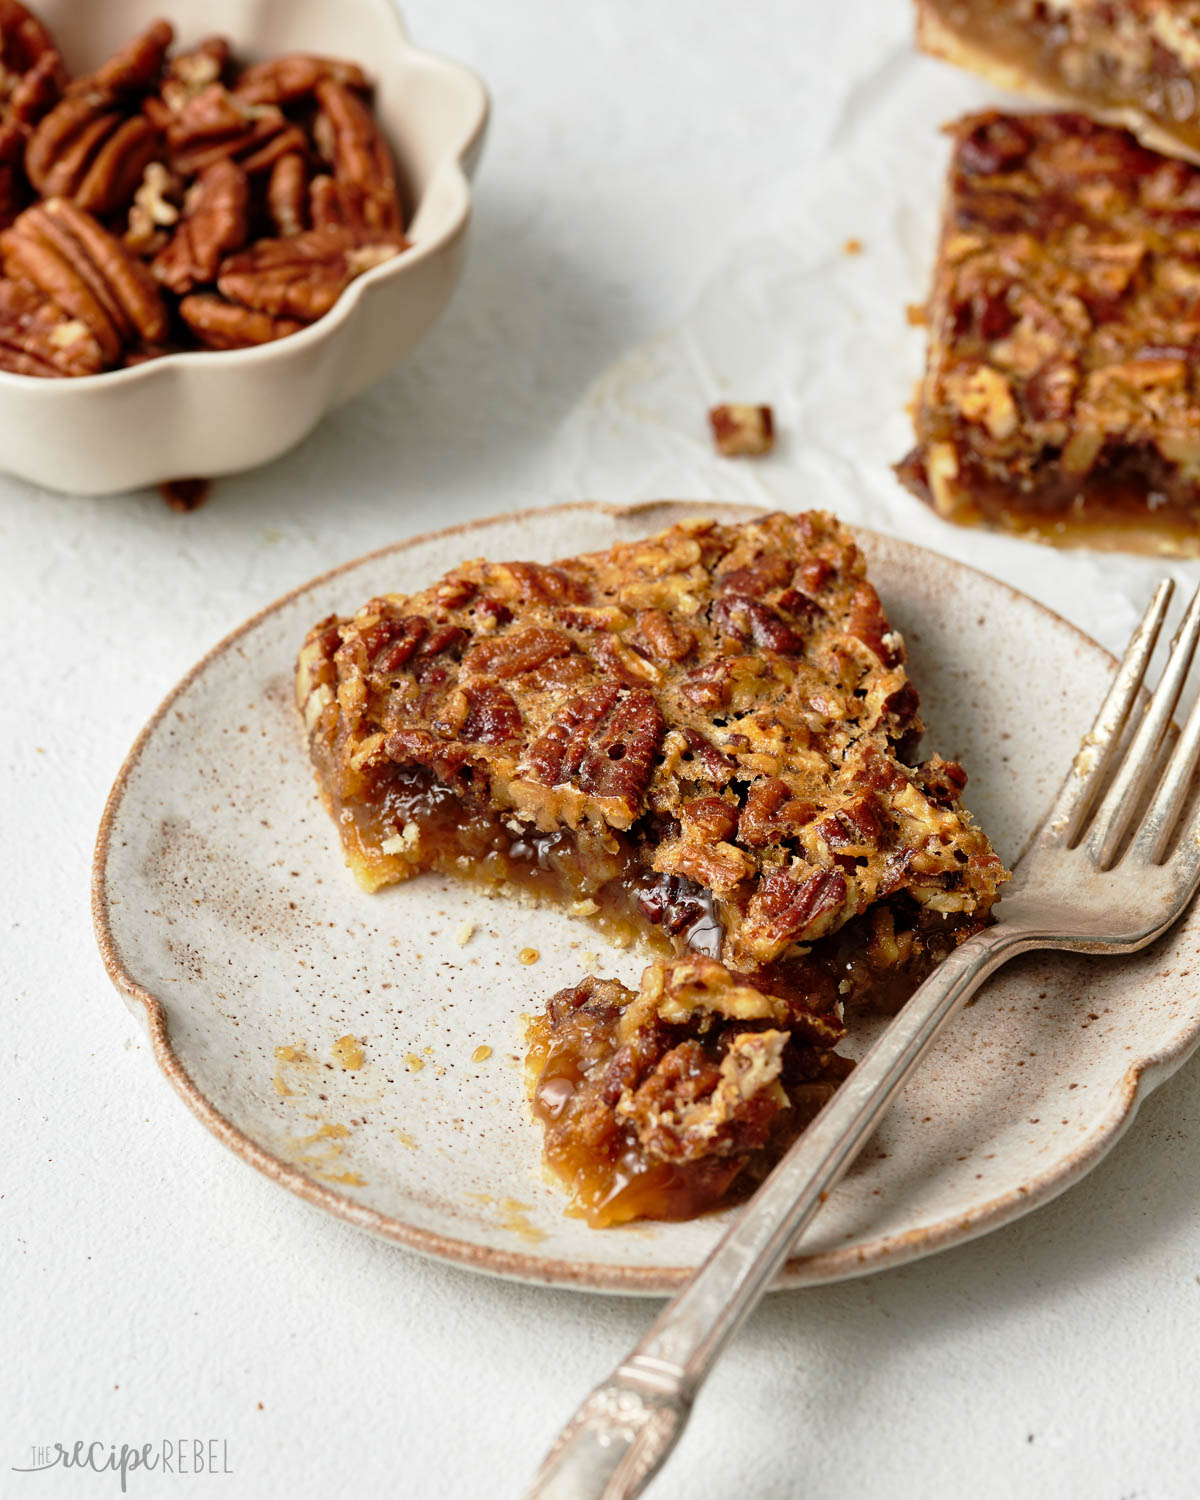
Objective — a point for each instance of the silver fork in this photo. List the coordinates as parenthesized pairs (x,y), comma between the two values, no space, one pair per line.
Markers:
(1085,885)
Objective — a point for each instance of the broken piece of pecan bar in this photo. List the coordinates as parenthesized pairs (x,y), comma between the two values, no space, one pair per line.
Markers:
(702,739)
(1133,63)
(1061,395)
(660,1103)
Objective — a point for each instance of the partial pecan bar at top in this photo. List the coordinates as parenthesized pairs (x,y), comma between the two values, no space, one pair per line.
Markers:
(702,736)
(1132,63)
(1062,385)
(660,1102)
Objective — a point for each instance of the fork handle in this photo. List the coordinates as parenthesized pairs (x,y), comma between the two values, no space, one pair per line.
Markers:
(620,1436)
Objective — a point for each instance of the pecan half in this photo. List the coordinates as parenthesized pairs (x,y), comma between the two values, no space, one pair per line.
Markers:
(791,906)
(31,94)
(287,194)
(304,275)
(493,718)
(224,325)
(76,262)
(90,147)
(215,222)
(749,620)
(32,77)
(665,638)
(772,813)
(132,70)
(363,171)
(605,743)
(518,652)
(38,338)
(24,39)
(213,124)
(285,80)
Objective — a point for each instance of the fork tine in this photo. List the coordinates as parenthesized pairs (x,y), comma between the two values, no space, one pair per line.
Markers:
(1163,813)
(1087,772)
(1121,800)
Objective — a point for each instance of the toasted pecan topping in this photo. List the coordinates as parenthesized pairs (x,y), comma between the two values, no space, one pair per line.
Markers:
(1061,379)
(753,784)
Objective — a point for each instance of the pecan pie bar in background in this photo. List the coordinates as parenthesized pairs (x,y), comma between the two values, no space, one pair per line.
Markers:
(704,740)
(1061,395)
(1134,63)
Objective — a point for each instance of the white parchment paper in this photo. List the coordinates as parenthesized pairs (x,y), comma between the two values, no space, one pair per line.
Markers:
(801,318)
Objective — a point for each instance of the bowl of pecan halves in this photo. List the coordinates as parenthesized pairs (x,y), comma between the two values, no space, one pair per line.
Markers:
(207,240)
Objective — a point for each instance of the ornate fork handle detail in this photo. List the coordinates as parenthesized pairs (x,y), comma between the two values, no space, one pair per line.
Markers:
(619,1437)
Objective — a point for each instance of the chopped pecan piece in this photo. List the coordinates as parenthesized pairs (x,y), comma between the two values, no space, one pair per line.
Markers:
(38,338)
(740,430)
(154,210)
(189,73)
(302,276)
(771,813)
(942,781)
(215,222)
(869,624)
(709,817)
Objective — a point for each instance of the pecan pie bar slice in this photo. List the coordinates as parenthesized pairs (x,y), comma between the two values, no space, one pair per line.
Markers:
(1061,394)
(660,1102)
(1134,63)
(702,738)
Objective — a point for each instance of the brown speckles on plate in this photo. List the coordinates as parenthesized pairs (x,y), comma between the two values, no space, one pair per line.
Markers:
(233,939)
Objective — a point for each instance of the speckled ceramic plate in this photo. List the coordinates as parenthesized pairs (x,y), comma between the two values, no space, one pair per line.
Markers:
(364,1051)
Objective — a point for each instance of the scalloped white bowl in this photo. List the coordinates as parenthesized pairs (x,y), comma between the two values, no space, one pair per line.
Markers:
(209,413)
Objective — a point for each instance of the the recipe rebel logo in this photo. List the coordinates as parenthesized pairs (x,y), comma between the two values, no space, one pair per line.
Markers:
(162,1456)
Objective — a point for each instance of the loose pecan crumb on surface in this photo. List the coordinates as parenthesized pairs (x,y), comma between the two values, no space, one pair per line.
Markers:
(742,431)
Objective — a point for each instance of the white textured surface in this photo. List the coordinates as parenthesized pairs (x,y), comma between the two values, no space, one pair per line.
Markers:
(153,1285)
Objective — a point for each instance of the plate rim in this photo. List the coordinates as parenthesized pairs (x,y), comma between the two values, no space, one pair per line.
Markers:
(1143,1074)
